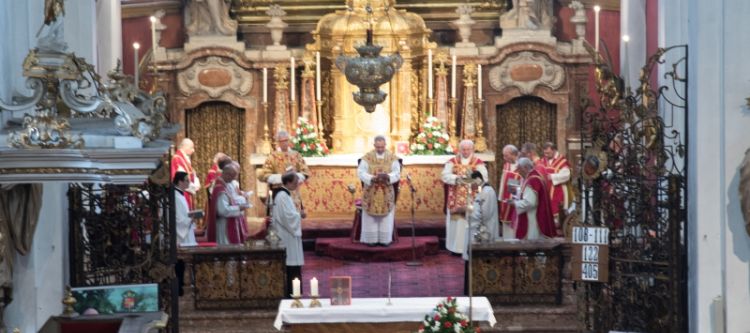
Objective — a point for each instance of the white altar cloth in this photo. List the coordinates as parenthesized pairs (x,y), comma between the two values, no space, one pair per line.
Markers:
(350,160)
(375,310)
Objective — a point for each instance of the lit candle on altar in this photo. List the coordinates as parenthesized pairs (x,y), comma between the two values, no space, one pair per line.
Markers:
(153,38)
(314,287)
(291,81)
(479,81)
(136,46)
(317,76)
(453,76)
(429,73)
(265,85)
(296,288)
(625,72)
(597,8)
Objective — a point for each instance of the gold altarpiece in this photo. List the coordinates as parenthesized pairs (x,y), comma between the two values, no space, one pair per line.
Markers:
(397,31)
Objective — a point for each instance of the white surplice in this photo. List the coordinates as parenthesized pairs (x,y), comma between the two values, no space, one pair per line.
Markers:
(287,222)
(184,224)
(485,215)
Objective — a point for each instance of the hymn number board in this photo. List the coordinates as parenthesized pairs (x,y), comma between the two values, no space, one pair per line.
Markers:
(590,254)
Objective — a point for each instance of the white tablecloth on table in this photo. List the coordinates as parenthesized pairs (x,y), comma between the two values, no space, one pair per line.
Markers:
(375,310)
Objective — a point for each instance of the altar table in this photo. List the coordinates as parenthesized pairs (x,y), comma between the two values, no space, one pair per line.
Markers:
(373,314)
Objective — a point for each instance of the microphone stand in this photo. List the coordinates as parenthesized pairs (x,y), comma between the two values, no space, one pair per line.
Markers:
(413,262)
(471,287)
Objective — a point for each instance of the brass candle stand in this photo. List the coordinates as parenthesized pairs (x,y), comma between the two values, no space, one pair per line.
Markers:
(430,106)
(266,143)
(297,303)
(481,142)
(453,141)
(315,303)
(319,104)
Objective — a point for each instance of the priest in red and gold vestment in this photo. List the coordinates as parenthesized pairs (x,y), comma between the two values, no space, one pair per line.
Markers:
(181,162)
(533,216)
(378,170)
(457,176)
(558,173)
(510,182)
(281,161)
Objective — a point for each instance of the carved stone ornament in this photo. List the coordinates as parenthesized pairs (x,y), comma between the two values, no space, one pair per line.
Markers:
(745,190)
(215,76)
(527,70)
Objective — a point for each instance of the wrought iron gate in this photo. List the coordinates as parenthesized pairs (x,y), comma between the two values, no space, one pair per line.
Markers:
(124,234)
(634,181)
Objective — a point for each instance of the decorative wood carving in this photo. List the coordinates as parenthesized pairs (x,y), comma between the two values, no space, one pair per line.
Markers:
(215,76)
(526,70)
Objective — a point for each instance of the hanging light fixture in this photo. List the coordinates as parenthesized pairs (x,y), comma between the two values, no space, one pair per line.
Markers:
(370,70)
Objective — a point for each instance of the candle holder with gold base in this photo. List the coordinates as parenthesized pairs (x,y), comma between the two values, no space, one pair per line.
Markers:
(319,104)
(315,303)
(481,142)
(69,301)
(430,106)
(453,140)
(297,303)
(266,143)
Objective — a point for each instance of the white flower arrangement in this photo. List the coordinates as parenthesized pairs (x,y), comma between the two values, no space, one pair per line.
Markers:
(306,140)
(432,139)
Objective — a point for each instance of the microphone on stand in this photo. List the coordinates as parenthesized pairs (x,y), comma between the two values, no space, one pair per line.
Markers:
(411,186)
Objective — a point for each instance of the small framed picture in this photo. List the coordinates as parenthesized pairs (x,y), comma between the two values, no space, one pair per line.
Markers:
(341,290)
(402,147)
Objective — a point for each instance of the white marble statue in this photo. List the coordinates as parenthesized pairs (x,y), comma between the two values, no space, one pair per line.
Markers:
(54,37)
(529,14)
(209,17)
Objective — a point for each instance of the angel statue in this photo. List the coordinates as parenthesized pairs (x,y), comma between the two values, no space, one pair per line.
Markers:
(54,37)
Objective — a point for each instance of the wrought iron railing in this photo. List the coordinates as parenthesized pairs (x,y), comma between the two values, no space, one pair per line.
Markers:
(634,181)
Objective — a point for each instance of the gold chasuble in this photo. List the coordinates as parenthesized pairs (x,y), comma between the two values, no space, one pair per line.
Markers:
(280,162)
(457,193)
(379,198)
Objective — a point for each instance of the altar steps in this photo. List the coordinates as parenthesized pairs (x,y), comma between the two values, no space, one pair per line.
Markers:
(343,248)
(333,227)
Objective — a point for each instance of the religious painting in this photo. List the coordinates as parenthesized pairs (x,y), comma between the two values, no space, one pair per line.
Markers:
(117,299)
(341,290)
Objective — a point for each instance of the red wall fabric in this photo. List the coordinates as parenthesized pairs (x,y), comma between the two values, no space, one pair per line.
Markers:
(138,29)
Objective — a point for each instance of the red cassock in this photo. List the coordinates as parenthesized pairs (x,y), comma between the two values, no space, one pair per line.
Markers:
(237,230)
(559,194)
(212,174)
(507,211)
(181,163)
(544,218)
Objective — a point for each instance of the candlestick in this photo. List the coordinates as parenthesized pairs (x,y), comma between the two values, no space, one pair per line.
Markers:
(479,82)
(389,289)
(317,76)
(625,72)
(429,73)
(453,76)
(314,287)
(136,46)
(296,287)
(265,147)
(481,142)
(597,9)
(297,303)
(153,38)
(291,80)
(265,85)
(453,140)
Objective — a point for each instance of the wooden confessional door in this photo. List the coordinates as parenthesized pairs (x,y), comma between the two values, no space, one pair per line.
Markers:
(525,119)
(214,127)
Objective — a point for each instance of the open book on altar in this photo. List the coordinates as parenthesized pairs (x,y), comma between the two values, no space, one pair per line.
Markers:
(341,290)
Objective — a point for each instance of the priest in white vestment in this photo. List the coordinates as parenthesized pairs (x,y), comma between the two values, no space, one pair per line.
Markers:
(378,170)
(184,223)
(456,175)
(286,220)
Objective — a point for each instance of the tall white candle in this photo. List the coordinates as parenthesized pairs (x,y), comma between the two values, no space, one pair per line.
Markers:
(291,81)
(314,287)
(153,38)
(265,85)
(479,81)
(317,76)
(625,72)
(453,76)
(136,46)
(429,73)
(296,288)
(597,8)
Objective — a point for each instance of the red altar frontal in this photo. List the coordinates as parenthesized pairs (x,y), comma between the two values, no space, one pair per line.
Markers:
(326,192)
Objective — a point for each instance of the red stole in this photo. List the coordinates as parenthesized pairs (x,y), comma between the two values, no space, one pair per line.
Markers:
(179,161)
(544,218)
(457,193)
(507,211)
(559,194)
(236,227)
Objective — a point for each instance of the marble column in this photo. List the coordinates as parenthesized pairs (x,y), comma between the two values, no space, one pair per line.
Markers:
(109,35)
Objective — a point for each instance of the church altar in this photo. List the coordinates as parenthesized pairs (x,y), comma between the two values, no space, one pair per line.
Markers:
(373,314)
(326,194)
